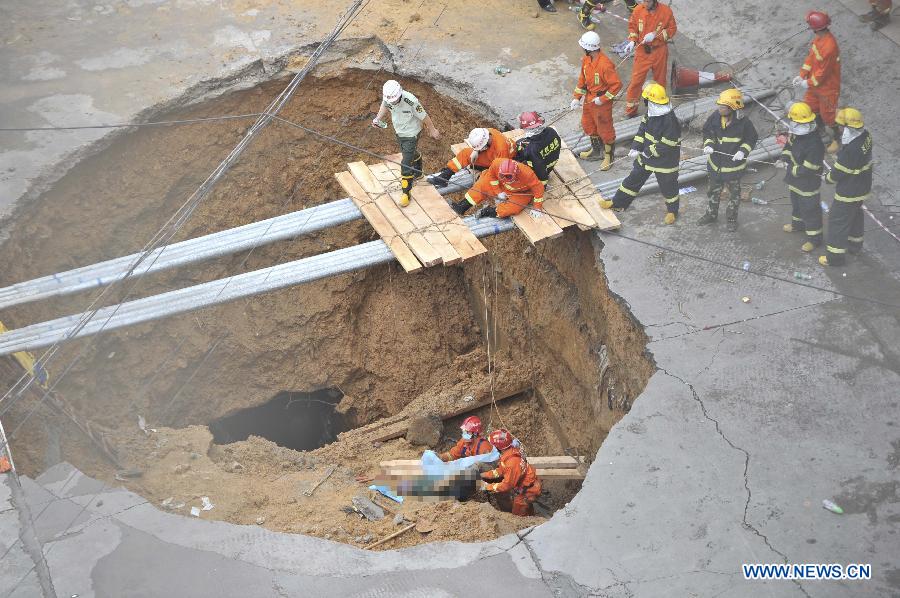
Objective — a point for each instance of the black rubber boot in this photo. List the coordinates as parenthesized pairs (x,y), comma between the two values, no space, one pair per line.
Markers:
(487,212)
(461,207)
(441,179)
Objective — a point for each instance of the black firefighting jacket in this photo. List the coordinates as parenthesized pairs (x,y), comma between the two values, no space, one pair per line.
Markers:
(540,152)
(804,155)
(659,141)
(853,170)
(738,135)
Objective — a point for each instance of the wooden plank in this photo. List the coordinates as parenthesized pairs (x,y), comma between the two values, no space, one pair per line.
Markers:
(390,180)
(565,208)
(381,225)
(581,187)
(455,230)
(536,229)
(427,254)
(558,474)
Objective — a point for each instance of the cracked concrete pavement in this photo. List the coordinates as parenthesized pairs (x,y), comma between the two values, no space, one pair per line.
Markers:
(758,410)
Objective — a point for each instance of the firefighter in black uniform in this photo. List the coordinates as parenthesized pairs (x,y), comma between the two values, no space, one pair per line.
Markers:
(657,151)
(728,139)
(584,15)
(803,156)
(852,173)
(540,146)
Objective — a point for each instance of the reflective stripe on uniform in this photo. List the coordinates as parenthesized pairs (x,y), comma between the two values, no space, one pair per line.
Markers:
(627,191)
(658,169)
(580,92)
(670,142)
(806,67)
(470,200)
(813,233)
(813,80)
(747,147)
(831,249)
(729,139)
(652,150)
(816,52)
(610,95)
(855,239)
(843,168)
(671,199)
(810,165)
(495,183)
(457,164)
(650,137)
(850,199)
(639,138)
(801,192)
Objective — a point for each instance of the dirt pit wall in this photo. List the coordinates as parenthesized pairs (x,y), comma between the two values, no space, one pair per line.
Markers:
(389,343)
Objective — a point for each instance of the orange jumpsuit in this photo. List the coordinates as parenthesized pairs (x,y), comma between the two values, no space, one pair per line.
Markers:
(499,146)
(467,448)
(519,481)
(822,70)
(598,78)
(662,22)
(520,192)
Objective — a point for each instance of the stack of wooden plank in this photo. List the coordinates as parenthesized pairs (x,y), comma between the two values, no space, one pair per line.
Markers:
(570,199)
(547,468)
(426,232)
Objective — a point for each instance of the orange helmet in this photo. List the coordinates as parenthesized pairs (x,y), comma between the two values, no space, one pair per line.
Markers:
(509,170)
(818,20)
(471,424)
(501,439)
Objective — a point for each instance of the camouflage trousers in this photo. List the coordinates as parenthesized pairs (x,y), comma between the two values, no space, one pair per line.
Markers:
(714,192)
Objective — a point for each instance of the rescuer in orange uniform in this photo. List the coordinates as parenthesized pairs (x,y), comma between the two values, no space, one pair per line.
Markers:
(514,185)
(472,442)
(518,480)
(598,84)
(820,76)
(651,26)
(485,146)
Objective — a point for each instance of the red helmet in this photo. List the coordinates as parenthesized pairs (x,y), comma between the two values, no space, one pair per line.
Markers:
(509,169)
(471,424)
(530,120)
(501,439)
(818,20)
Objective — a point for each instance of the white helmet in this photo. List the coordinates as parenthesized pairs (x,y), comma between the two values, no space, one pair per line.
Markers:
(590,41)
(478,139)
(391,91)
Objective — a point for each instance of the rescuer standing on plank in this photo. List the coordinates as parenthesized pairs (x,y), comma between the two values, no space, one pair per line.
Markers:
(820,76)
(852,173)
(485,146)
(656,150)
(802,156)
(540,146)
(407,116)
(512,184)
(651,26)
(518,480)
(728,138)
(471,443)
(598,84)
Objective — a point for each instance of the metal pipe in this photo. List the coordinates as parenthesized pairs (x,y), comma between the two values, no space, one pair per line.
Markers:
(219,291)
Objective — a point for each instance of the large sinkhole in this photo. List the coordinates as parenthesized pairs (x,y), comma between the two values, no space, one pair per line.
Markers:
(301,421)
(391,345)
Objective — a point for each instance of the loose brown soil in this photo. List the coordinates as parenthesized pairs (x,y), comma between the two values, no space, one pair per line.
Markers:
(390,342)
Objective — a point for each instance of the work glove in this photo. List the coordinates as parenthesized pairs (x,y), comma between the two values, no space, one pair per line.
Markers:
(649,37)
(473,157)
(629,47)
(781,164)
(483,486)
(536,213)
(598,100)
(800,82)
(708,150)
(377,123)
(502,196)
(647,155)
(738,156)
(575,104)
(632,153)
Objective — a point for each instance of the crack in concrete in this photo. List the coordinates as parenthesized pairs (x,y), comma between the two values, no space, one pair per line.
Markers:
(715,353)
(744,522)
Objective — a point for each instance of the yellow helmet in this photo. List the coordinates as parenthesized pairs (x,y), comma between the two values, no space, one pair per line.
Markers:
(800,112)
(732,98)
(655,93)
(849,117)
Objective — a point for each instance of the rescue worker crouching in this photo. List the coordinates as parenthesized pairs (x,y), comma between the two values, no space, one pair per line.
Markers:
(802,157)
(472,442)
(598,85)
(519,482)
(657,151)
(540,146)
(513,185)
(852,175)
(485,146)
(728,138)
(408,117)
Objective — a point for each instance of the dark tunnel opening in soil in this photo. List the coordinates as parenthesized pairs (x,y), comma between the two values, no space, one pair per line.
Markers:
(301,421)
